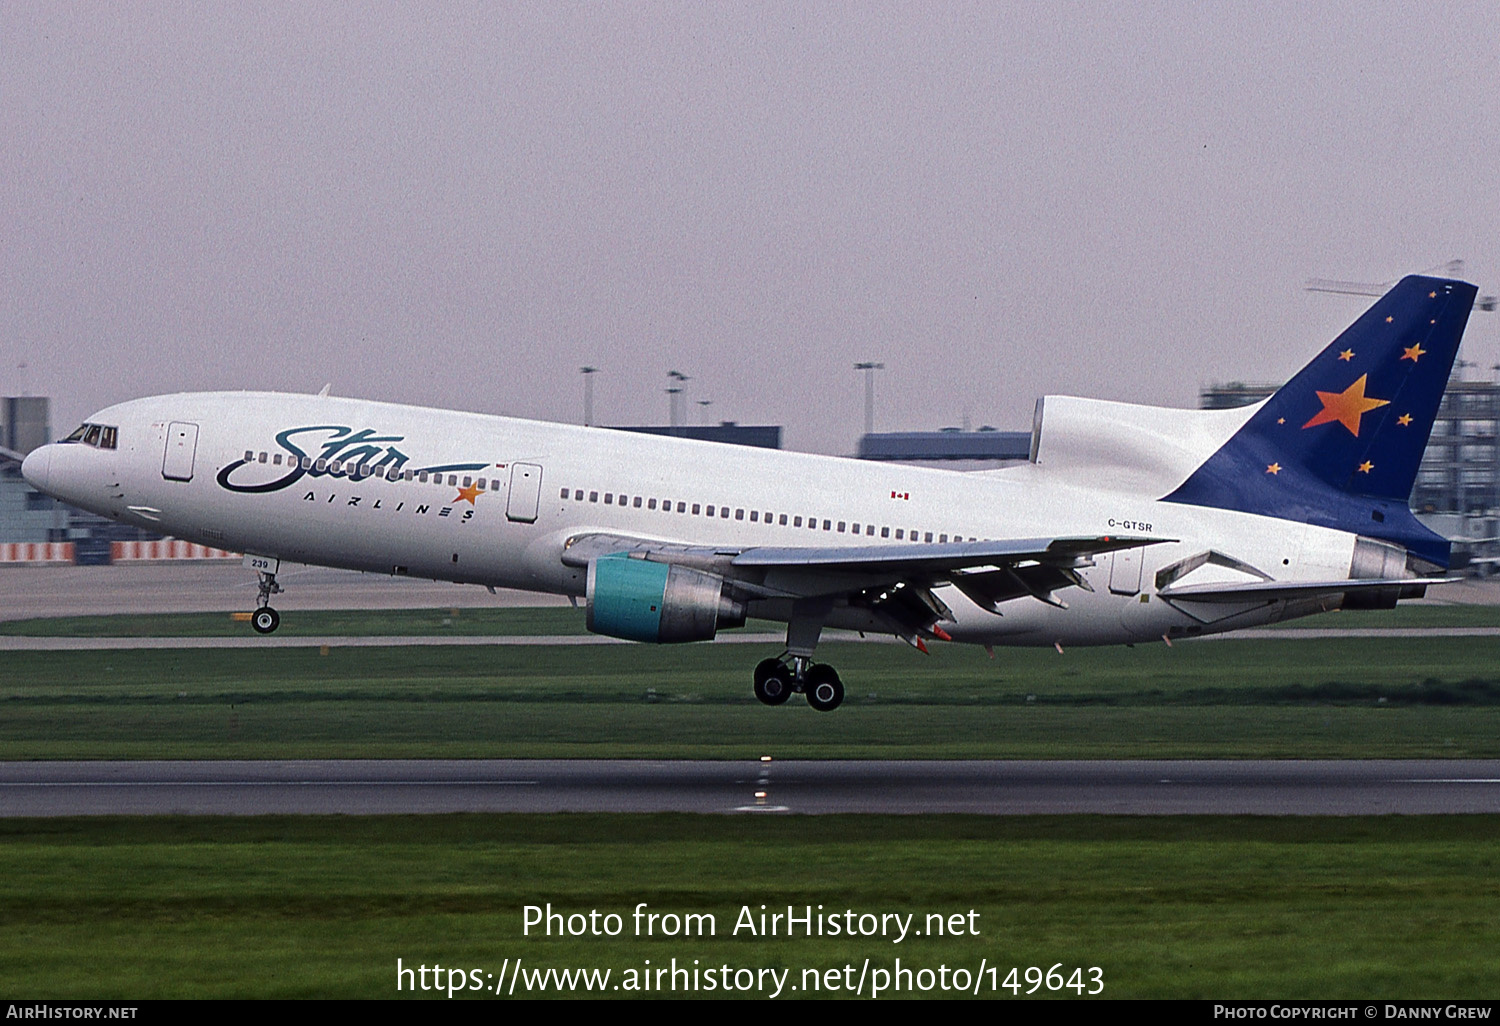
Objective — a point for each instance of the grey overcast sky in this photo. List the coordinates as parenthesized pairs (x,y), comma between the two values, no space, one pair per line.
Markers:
(461,204)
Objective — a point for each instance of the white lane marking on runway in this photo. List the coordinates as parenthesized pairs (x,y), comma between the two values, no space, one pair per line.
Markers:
(1453,780)
(268,783)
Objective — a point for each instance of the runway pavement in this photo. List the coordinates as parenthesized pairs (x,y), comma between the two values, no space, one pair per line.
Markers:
(1270,788)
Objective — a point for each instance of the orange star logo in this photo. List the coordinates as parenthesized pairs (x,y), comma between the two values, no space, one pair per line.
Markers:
(1347,355)
(1274,468)
(1413,353)
(468,495)
(1346,407)
(1366,467)
(1281,420)
(1389,319)
(1404,420)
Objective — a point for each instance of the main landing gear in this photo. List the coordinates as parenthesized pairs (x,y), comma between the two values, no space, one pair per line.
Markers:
(776,679)
(265,619)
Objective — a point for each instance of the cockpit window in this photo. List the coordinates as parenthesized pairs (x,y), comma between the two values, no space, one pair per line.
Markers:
(100,436)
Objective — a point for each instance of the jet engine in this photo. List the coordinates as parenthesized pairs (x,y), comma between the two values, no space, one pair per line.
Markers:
(641,600)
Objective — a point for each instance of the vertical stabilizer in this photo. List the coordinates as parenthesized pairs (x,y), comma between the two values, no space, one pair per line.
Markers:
(1339,444)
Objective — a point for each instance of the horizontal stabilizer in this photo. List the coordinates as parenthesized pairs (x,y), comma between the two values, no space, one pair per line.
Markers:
(1273,590)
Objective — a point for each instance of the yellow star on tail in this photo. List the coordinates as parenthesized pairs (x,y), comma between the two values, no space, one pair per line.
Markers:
(1346,407)
(1412,353)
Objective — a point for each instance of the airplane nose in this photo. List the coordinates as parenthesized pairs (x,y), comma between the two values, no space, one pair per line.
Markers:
(36,467)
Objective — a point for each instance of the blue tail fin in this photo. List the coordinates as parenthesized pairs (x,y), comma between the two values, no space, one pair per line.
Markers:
(1339,444)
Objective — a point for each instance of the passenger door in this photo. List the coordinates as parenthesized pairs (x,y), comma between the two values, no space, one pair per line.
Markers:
(525,492)
(182,446)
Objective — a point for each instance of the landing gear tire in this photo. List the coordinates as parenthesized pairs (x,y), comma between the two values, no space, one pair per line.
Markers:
(773,681)
(824,689)
(265,620)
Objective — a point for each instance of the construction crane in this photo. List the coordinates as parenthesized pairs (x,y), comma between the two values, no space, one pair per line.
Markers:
(1452,269)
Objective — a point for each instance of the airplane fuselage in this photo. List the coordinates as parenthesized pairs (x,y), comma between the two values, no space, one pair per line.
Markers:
(488,500)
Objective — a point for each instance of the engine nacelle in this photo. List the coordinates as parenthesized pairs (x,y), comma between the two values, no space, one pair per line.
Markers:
(1378,559)
(640,600)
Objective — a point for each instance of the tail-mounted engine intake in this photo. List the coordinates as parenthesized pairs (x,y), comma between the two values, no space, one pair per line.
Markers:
(1380,561)
(645,601)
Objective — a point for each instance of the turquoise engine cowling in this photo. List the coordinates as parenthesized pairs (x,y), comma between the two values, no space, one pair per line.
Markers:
(640,600)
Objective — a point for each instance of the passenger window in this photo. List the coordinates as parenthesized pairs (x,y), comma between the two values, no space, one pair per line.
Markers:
(943,538)
(767,517)
(262,458)
(276,460)
(855,528)
(307,463)
(593,496)
(682,507)
(468,481)
(739,514)
(651,504)
(869,530)
(723,512)
(636,502)
(929,536)
(828,525)
(885,532)
(796,521)
(321,464)
(335,465)
(782,520)
(577,492)
(697,508)
(755,516)
(841,527)
(709,511)
(564,494)
(249,456)
(609,498)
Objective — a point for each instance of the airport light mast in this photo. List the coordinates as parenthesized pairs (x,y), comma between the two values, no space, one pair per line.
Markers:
(869,368)
(588,394)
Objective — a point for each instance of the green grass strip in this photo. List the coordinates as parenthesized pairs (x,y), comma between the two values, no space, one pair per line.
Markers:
(1314,698)
(1188,907)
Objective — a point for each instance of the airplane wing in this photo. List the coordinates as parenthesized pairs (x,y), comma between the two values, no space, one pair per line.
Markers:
(893,581)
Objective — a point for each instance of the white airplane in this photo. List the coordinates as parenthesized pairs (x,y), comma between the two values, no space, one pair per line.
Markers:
(1129,523)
